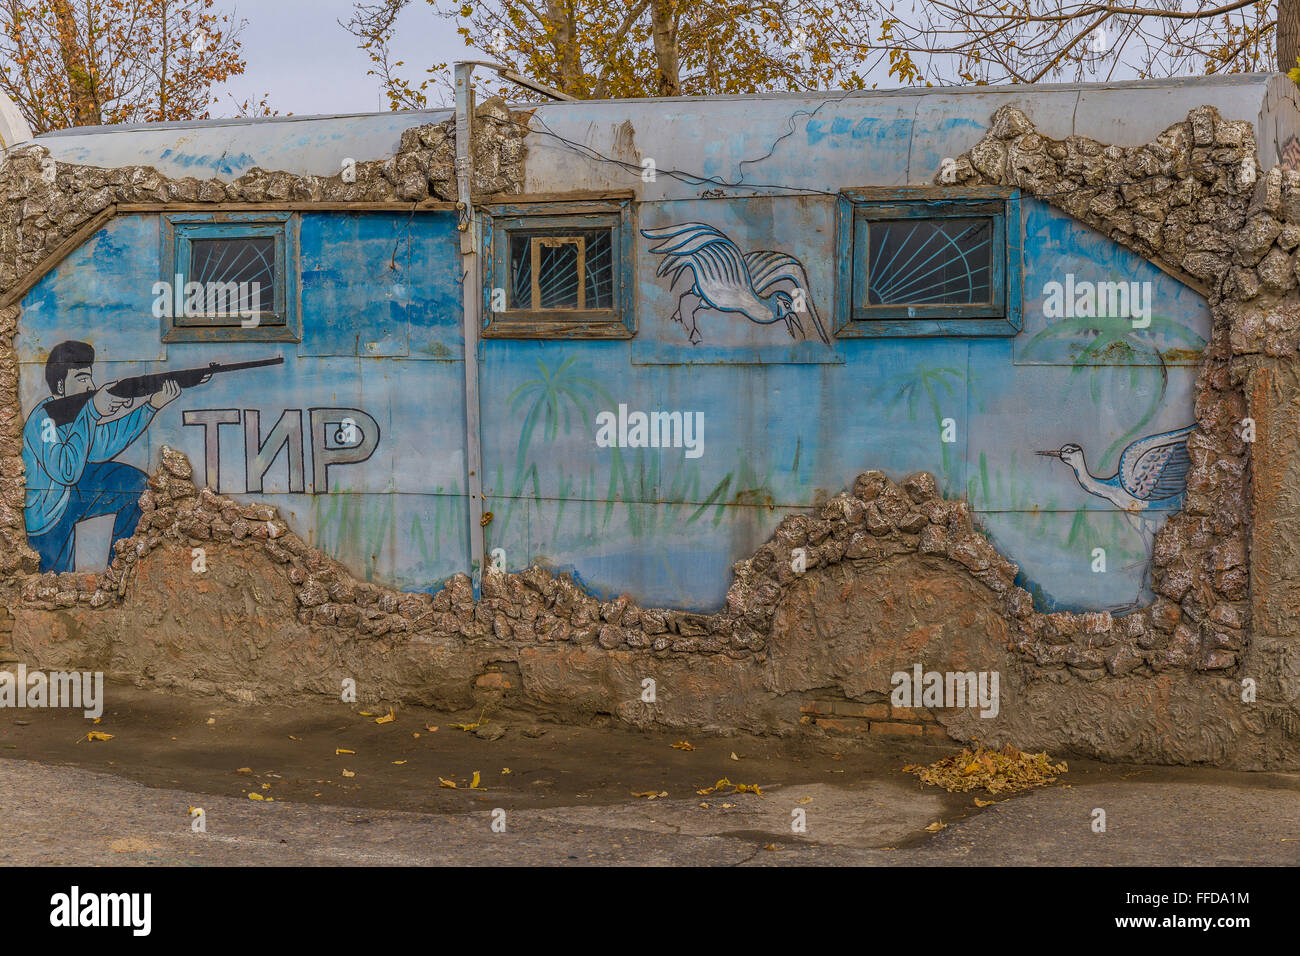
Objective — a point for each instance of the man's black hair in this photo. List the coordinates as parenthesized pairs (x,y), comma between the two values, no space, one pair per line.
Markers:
(65,357)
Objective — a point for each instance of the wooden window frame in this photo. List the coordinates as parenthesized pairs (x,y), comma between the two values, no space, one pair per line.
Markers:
(501,219)
(1002,316)
(179,230)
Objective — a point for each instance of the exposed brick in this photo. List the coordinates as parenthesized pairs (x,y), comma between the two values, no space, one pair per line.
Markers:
(492,681)
(897,730)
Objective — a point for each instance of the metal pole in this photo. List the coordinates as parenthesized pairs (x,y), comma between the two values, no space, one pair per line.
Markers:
(472,299)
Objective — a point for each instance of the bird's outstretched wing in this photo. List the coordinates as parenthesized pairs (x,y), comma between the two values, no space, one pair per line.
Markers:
(1155,467)
(706,251)
(768,269)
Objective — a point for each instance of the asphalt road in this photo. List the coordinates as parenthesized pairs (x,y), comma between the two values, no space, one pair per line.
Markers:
(550,794)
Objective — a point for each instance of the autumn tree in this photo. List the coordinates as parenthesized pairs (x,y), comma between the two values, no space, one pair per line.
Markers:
(629,48)
(667,47)
(1028,41)
(85,62)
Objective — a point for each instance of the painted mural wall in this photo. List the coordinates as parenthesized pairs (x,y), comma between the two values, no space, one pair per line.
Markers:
(376,377)
(784,413)
(778,415)
(788,420)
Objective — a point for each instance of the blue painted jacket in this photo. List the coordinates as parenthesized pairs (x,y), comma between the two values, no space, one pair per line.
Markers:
(54,467)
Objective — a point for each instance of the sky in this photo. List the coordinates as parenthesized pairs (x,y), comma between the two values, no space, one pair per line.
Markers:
(298,53)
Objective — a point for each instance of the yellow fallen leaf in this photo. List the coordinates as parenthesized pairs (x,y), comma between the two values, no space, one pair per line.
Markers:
(683,745)
(504,771)
(733,756)
(984,803)
(244,770)
(398,763)
(469,728)
(447,783)
(936,826)
(650,794)
(266,786)
(256,796)
(340,750)
(473,784)
(98,735)
(292,737)
(705,805)
(212,720)
(348,773)
(431,729)
(770,846)
(724,782)
(388,718)
(415,734)
(748,788)
(98,719)
(365,713)
(805,799)
(727,806)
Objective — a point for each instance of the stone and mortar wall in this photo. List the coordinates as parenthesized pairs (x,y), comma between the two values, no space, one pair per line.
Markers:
(895,574)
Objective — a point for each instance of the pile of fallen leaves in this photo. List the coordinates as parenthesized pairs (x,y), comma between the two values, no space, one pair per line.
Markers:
(998,771)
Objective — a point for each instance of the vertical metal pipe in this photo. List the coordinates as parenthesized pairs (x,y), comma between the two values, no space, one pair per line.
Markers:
(472,299)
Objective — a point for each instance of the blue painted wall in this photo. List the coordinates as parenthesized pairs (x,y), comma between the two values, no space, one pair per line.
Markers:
(785,425)
(381,334)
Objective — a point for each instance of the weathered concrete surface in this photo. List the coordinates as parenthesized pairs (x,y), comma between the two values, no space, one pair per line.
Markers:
(1273,385)
(568,797)
(838,634)
(896,575)
(69,817)
(855,627)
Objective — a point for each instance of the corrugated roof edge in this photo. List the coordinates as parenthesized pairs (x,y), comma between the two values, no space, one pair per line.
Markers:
(442,113)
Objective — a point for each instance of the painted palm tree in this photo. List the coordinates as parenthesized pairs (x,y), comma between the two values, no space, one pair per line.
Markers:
(1117,357)
(761,286)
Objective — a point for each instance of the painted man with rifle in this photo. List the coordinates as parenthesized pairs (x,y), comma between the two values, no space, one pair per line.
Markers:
(70,472)
(72,437)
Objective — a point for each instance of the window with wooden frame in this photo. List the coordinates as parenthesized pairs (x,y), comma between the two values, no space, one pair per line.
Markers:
(558,270)
(928,262)
(231,277)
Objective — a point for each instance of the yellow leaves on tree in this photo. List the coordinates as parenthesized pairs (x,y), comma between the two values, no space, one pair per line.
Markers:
(631,48)
(86,62)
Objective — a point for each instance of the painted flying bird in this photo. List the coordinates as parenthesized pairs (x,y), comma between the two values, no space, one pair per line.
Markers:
(758,285)
(1151,469)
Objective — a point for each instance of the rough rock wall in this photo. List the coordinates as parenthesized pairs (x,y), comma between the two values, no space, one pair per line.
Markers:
(894,575)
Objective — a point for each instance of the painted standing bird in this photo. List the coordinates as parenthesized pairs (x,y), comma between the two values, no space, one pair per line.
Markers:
(758,285)
(1151,469)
